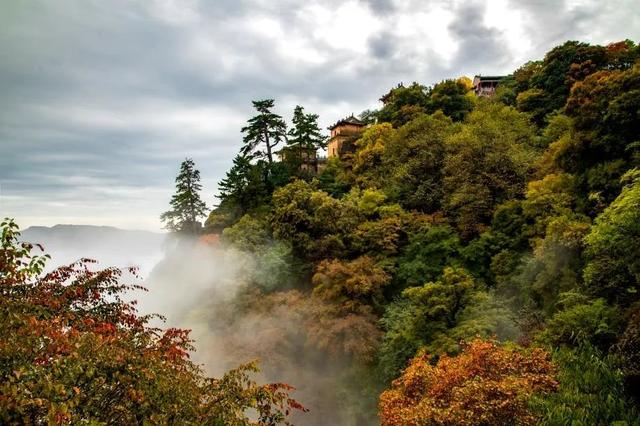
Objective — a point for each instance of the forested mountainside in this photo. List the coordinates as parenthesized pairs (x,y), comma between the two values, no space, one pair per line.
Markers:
(459,260)
(475,257)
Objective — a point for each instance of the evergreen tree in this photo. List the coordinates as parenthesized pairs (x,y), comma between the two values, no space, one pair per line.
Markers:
(263,131)
(305,136)
(242,186)
(186,205)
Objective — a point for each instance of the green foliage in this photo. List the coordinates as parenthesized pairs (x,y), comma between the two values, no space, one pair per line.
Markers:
(186,205)
(556,262)
(331,179)
(305,134)
(564,65)
(404,104)
(590,391)
(247,234)
(368,159)
(535,102)
(487,163)
(452,97)
(263,132)
(581,322)
(427,253)
(413,161)
(247,187)
(524,190)
(270,264)
(370,201)
(548,198)
(628,348)
(424,316)
(613,247)
(242,185)
(311,220)
(487,316)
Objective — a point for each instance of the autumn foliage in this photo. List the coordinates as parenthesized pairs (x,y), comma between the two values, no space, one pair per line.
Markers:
(73,351)
(487,384)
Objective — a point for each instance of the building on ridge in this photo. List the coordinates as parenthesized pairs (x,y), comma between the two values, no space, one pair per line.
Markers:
(342,131)
(305,159)
(486,85)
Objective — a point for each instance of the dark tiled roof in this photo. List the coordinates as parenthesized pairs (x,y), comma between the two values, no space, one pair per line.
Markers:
(489,77)
(349,120)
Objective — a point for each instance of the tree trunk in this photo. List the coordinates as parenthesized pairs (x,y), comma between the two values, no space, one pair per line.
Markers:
(266,141)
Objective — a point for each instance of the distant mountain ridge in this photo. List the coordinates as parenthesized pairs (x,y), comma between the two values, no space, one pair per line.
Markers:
(109,245)
(62,231)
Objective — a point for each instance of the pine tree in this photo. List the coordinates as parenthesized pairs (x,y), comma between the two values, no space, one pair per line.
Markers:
(238,186)
(263,131)
(186,205)
(305,136)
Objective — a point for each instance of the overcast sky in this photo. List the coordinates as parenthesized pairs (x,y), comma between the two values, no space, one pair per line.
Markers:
(101,100)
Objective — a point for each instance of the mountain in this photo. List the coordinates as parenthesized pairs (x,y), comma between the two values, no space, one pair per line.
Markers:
(108,245)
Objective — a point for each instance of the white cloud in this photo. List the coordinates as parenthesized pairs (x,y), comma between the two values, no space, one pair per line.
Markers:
(102,101)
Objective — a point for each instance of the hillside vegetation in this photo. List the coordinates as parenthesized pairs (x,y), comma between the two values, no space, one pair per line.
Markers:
(464,261)
(477,257)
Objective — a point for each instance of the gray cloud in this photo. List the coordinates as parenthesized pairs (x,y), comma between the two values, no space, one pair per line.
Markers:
(101,101)
(482,48)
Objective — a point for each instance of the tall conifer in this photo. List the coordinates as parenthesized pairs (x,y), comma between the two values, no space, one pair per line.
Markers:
(263,131)
(186,205)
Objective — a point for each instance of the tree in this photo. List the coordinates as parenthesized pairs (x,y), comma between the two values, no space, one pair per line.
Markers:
(604,110)
(427,253)
(554,267)
(74,352)
(403,104)
(590,391)
(487,384)
(369,155)
(613,247)
(580,322)
(332,179)
(628,348)
(186,205)
(305,137)
(243,187)
(423,316)
(312,221)
(413,160)
(562,66)
(349,283)
(487,163)
(263,131)
(268,263)
(237,183)
(452,97)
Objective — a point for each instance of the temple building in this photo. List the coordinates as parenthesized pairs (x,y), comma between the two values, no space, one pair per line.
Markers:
(485,85)
(342,131)
(305,159)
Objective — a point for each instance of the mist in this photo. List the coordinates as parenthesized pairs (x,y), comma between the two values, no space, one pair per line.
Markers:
(211,290)
(108,245)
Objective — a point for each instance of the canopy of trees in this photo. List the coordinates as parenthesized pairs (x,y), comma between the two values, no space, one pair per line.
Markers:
(73,351)
(475,257)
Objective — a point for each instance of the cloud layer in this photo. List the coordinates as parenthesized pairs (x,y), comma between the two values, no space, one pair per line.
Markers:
(102,100)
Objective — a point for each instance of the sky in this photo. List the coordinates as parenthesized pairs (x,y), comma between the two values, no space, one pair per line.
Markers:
(101,101)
